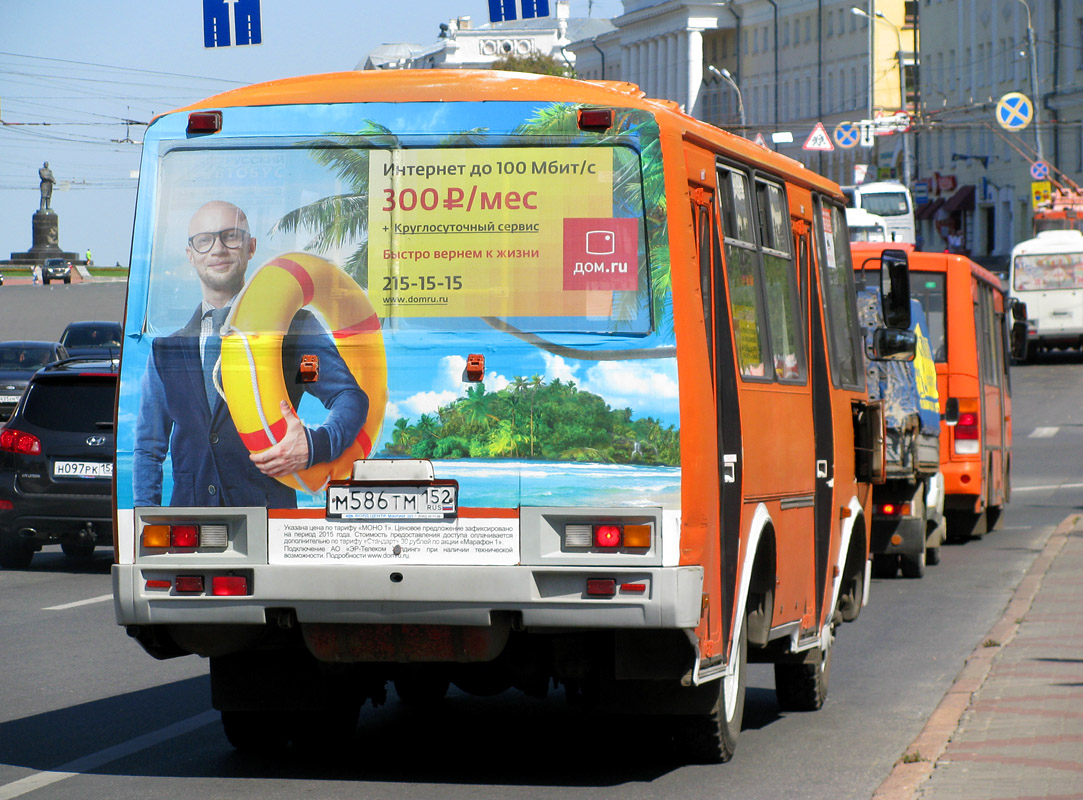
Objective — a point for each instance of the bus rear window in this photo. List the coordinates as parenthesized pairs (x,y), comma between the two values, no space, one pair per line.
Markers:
(928,289)
(1048,271)
(885,204)
(546,239)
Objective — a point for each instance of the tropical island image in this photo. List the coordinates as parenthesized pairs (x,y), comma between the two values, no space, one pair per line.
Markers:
(533,420)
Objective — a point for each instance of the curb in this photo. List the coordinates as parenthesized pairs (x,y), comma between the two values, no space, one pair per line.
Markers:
(926,749)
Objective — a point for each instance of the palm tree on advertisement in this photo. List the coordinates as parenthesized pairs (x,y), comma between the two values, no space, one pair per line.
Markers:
(342,219)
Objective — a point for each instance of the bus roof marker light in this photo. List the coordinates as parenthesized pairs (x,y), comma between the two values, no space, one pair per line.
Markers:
(201,122)
(595,119)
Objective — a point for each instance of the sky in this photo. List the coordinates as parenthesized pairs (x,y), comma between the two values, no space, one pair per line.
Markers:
(76,77)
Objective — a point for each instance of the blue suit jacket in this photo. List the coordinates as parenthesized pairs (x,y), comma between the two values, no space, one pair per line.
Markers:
(211,466)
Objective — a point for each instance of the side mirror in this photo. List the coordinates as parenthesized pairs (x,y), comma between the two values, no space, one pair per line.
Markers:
(951,410)
(1017,334)
(893,344)
(895,288)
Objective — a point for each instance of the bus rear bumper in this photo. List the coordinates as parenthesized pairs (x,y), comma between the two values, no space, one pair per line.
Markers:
(545,597)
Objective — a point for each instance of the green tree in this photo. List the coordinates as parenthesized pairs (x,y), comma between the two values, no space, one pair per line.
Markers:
(538,63)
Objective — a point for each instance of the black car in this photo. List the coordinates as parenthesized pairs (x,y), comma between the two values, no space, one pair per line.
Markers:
(56,463)
(92,338)
(18,361)
(56,269)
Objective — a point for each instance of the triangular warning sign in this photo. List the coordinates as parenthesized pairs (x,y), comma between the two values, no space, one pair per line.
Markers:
(758,139)
(818,139)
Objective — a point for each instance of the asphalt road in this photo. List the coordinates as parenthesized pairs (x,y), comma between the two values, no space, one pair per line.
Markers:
(84,713)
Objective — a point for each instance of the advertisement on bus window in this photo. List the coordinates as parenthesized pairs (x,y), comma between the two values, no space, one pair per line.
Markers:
(311,303)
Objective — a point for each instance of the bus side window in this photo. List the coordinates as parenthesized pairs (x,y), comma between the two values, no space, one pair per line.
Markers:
(701,213)
(742,275)
(784,324)
(840,309)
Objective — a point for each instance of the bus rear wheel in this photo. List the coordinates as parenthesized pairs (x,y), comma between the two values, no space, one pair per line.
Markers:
(913,564)
(802,686)
(711,738)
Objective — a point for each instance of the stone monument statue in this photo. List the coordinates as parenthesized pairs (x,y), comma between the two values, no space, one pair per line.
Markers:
(45,228)
(47,183)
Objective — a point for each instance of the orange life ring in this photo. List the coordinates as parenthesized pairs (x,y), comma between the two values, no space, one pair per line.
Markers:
(251,368)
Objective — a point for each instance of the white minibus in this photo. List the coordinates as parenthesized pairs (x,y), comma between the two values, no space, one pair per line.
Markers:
(1047,275)
(890,200)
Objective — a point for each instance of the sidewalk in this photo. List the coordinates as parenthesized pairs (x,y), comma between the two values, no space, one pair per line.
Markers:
(1011,726)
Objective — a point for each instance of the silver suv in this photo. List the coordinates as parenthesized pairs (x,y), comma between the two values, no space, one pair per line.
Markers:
(56,268)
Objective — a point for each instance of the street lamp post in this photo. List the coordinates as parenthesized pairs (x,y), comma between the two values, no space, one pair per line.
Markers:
(903,105)
(1033,47)
(725,75)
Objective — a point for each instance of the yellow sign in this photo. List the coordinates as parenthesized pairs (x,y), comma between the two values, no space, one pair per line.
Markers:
(1040,192)
(477,232)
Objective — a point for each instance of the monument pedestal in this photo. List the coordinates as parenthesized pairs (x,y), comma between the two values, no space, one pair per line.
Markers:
(46,238)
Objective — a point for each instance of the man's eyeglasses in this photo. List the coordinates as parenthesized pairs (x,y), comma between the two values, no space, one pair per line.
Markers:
(230,237)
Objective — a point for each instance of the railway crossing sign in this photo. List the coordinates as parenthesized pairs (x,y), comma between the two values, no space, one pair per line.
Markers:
(1039,170)
(846,135)
(1014,111)
(818,139)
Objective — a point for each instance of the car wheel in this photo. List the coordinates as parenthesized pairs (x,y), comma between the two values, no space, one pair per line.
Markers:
(67,279)
(14,553)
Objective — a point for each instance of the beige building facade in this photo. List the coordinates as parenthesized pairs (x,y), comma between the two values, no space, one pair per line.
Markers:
(779,68)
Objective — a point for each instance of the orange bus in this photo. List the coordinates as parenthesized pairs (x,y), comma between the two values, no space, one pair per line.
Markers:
(539,381)
(974,330)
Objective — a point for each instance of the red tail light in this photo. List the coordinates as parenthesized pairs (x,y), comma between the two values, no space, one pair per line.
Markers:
(13,441)
(229,585)
(607,535)
(967,426)
(185,535)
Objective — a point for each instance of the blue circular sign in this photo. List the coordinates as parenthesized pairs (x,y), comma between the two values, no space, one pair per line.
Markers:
(846,135)
(1039,170)
(1014,111)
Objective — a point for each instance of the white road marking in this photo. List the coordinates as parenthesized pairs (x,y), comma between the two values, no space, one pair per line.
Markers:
(1044,433)
(77,603)
(1047,488)
(87,763)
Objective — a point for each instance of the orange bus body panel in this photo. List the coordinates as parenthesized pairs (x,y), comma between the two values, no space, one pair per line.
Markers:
(973,370)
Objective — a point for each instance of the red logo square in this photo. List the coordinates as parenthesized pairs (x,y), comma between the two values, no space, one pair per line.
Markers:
(601,253)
